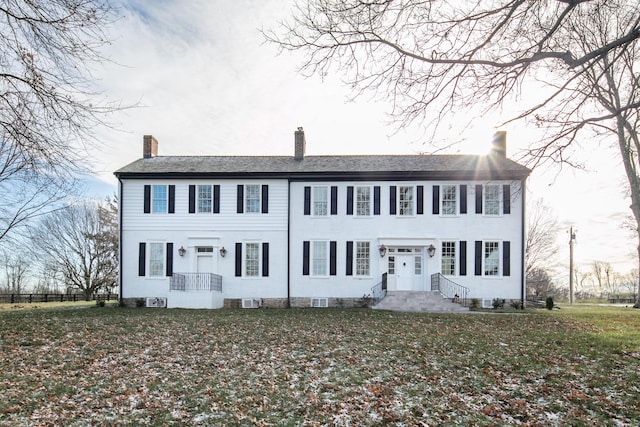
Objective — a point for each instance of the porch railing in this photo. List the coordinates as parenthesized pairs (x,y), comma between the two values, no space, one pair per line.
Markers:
(450,289)
(379,291)
(196,282)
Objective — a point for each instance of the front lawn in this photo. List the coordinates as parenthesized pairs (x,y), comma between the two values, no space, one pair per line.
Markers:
(312,367)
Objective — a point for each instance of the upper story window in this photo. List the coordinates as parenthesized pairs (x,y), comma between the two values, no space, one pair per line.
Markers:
(405,200)
(159,199)
(449,200)
(320,201)
(363,201)
(252,198)
(492,199)
(448,257)
(205,199)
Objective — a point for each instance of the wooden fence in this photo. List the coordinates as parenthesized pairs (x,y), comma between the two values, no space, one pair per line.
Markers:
(31,298)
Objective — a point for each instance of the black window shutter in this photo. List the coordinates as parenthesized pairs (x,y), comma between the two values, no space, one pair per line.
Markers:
(238,259)
(506,199)
(169,255)
(142,257)
(478,256)
(265,199)
(216,199)
(392,200)
(463,199)
(506,258)
(334,200)
(307,200)
(435,200)
(305,258)
(265,259)
(350,200)
(376,200)
(420,197)
(349,258)
(192,199)
(333,248)
(147,199)
(240,199)
(479,198)
(463,258)
(172,199)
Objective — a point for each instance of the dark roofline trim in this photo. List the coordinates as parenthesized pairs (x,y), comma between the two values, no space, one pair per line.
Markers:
(338,176)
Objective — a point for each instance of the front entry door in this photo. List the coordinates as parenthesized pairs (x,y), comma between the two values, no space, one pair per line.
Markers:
(404,273)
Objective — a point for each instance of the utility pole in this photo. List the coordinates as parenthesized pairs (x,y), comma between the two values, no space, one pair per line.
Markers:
(572,239)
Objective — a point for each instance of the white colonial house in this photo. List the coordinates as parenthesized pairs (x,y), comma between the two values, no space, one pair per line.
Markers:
(303,231)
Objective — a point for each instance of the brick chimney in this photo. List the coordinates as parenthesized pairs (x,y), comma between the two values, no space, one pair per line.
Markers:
(499,144)
(149,146)
(300,144)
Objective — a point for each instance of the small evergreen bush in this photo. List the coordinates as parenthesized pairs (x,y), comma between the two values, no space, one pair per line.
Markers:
(549,303)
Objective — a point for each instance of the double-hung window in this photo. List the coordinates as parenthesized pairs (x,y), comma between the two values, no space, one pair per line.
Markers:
(363,201)
(159,198)
(156,259)
(449,200)
(320,201)
(205,199)
(252,259)
(448,257)
(405,200)
(252,198)
(491,257)
(319,258)
(362,259)
(492,199)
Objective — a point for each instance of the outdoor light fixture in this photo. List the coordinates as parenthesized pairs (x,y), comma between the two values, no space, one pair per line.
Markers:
(223,252)
(182,251)
(432,251)
(383,250)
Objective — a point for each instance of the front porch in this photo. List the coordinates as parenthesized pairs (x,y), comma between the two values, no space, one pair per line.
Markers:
(195,290)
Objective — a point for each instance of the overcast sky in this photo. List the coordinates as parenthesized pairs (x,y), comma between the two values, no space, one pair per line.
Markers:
(207,84)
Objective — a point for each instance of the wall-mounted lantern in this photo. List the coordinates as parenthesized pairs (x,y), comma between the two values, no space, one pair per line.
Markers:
(383,250)
(182,251)
(223,252)
(432,251)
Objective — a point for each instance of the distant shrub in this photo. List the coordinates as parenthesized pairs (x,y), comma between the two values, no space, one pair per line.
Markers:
(549,303)
(140,302)
(100,302)
(475,303)
(516,303)
(498,303)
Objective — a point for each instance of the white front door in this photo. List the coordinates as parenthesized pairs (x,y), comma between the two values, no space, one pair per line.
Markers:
(404,272)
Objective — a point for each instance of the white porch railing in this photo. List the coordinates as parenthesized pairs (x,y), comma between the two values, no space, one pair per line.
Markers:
(196,282)
(450,289)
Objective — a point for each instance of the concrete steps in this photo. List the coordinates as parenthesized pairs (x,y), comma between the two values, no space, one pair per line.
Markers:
(415,301)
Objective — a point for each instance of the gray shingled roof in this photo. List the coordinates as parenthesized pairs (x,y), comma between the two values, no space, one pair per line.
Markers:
(435,166)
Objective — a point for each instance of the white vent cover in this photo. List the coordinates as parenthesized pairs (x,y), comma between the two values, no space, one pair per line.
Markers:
(157,302)
(319,302)
(487,303)
(251,303)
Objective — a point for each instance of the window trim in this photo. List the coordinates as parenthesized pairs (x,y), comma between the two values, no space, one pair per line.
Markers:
(312,258)
(399,202)
(152,198)
(498,202)
(453,257)
(198,198)
(163,260)
(357,243)
(498,257)
(456,200)
(370,202)
(245,253)
(327,201)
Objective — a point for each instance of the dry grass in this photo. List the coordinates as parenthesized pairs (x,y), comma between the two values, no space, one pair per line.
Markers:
(114,366)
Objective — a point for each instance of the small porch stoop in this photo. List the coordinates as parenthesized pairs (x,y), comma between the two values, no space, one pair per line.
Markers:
(417,301)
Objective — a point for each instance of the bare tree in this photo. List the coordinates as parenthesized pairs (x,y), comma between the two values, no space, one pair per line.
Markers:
(16,268)
(49,107)
(430,59)
(77,241)
(541,246)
